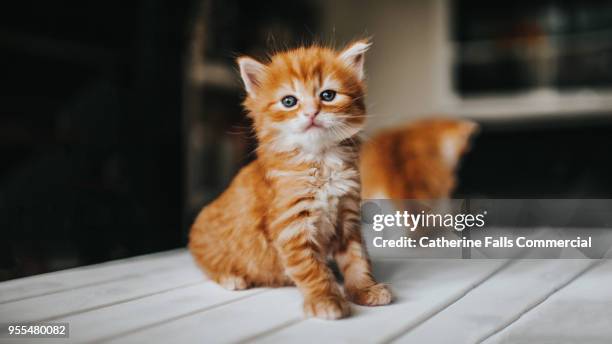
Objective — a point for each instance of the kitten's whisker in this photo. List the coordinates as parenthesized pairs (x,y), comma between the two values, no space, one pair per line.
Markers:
(345,132)
(353,116)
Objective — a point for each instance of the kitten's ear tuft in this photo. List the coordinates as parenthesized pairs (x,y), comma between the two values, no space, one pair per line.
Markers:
(469,128)
(354,56)
(252,73)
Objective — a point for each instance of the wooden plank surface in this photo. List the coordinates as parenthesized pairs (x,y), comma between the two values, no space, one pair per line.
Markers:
(159,276)
(422,289)
(277,315)
(581,312)
(229,323)
(496,302)
(90,275)
(165,298)
(111,322)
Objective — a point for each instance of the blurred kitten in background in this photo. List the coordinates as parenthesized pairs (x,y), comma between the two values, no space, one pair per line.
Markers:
(416,161)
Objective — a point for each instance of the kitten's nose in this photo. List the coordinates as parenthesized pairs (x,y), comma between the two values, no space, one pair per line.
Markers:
(311,114)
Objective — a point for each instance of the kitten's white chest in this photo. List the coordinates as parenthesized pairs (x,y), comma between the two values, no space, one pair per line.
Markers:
(335,178)
(333,183)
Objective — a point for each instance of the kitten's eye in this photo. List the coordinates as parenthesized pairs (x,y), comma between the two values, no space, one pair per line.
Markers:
(328,95)
(289,101)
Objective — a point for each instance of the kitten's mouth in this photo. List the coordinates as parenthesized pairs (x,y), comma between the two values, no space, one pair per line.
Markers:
(311,125)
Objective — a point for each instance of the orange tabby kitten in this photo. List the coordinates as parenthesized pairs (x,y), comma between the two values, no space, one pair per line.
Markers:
(417,161)
(298,203)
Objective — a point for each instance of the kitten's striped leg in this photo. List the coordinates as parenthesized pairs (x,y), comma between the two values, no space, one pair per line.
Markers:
(354,263)
(306,266)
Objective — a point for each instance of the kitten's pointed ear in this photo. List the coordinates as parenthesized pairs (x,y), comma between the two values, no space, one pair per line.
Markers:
(252,73)
(354,56)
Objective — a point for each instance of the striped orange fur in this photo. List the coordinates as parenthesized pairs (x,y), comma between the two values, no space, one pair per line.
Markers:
(415,161)
(298,203)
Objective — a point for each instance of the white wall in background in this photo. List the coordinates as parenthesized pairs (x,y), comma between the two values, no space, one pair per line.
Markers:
(406,67)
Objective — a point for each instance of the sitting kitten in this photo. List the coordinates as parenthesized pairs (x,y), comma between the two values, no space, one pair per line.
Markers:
(298,203)
(417,161)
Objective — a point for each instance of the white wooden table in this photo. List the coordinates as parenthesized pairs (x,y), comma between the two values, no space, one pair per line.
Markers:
(164,298)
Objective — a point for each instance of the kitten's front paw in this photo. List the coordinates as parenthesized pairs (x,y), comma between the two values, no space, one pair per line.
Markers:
(327,307)
(375,295)
(231,282)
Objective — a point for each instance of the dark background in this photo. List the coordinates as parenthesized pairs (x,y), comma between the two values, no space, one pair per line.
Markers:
(98,120)
(89,131)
